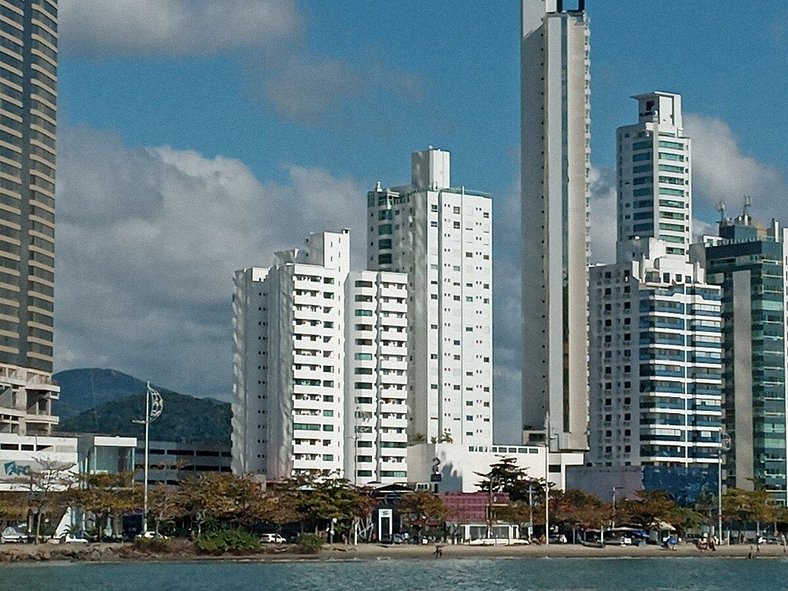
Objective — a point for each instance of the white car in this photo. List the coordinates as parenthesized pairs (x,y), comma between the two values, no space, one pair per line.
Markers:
(151,535)
(272,539)
(12,534)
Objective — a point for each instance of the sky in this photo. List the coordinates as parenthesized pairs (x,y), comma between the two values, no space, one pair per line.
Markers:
(198,137)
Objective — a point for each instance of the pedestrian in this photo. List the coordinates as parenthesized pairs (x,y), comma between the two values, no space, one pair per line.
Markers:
(782,541)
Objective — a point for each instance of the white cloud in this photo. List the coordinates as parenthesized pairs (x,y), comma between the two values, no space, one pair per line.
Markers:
(175,27)
(723,172)
(602,215)
(147,243)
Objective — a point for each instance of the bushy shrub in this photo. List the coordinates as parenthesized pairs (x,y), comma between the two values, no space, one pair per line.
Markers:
(308,544)
(234,541)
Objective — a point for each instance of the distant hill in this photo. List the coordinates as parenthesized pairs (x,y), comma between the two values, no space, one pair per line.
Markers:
(106,401)
(185,418)
(82,389)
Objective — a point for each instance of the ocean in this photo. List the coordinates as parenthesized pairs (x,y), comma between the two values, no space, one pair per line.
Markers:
(499,574)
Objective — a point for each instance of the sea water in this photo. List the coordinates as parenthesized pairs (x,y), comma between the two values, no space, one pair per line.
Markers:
(635,574)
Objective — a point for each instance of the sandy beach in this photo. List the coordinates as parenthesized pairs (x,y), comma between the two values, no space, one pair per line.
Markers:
(126,552)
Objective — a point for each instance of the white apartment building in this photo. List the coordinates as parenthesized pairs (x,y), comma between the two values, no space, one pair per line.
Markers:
(288,361)
(555,127)
(376,382)
(654,181)
(656,362)
(441,237)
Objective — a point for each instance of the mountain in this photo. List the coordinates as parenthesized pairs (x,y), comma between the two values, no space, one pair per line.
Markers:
(107,401)
(82,389)
(184,418)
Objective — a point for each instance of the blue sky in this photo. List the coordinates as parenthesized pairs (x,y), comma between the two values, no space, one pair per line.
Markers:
(201,139)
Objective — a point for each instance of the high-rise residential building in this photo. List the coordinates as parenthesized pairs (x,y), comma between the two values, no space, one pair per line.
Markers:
(655,363)
(748,261)
(376,383)
(441,237)
(288,361)
(555,100)
(28,109)
(654,182)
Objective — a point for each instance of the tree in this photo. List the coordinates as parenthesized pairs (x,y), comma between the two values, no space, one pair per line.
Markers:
(506,476)
(46,485)
(422,509)
(748,506)
(213,499)
(165,504)
(648,508)
(324,498)
(581,509)
(107,497)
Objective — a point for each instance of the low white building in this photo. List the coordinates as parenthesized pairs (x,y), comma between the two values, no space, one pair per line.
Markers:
(33,463)
(456,468)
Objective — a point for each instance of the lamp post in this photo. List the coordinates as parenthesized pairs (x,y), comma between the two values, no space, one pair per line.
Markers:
(154,404)
(530,511)
(615,488)
(547,489)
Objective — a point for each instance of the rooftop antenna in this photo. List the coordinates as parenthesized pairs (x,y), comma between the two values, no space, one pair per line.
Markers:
(721,209)
(747,204)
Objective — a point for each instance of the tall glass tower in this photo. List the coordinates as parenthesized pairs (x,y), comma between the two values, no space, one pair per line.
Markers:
(28,113)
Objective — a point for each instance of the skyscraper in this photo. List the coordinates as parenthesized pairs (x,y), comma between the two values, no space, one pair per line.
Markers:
(656,363)
(655,345)
(288,356)
(555,122)
(28,113)
(654,191)
(441,236)
(748,261)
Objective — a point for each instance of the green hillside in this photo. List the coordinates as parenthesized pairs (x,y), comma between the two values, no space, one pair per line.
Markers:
(184,418)
(82,389)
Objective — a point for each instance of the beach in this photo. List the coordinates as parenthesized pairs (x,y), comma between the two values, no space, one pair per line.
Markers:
(182,551)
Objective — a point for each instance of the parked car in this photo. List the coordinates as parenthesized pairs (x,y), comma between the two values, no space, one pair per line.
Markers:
(13,534)
(272,539)
(74,538)
(151,535)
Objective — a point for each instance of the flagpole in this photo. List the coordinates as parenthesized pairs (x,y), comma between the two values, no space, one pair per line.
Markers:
(145,485)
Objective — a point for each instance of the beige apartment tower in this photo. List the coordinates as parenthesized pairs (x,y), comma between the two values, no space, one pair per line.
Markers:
(555,168)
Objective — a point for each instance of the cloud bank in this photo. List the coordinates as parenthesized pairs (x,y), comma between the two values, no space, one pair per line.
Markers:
(722,171)
(147,243)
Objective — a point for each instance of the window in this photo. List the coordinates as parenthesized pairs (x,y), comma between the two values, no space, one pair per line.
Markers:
(384,229)
(384,259)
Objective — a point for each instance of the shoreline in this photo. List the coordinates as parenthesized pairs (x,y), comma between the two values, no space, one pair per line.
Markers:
(127,553)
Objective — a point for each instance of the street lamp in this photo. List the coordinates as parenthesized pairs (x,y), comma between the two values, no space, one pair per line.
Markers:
(154,404)
(530,511)
(615,488)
